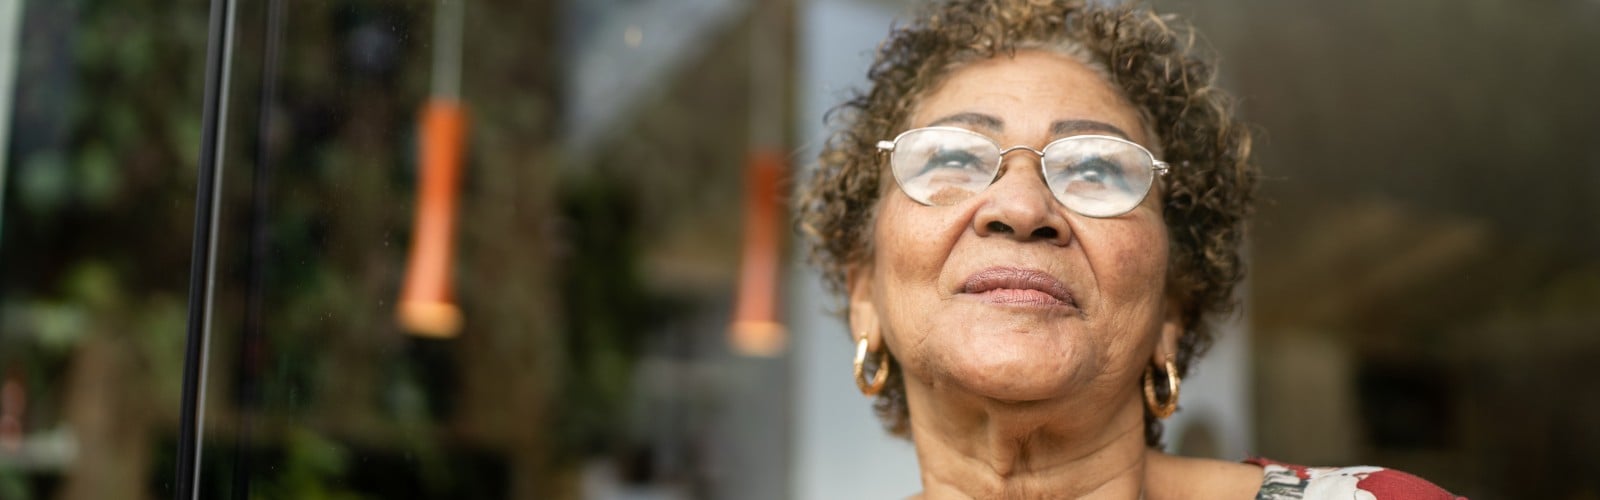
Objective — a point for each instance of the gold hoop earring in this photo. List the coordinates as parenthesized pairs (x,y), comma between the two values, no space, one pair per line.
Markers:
(1161,409)
(881,376)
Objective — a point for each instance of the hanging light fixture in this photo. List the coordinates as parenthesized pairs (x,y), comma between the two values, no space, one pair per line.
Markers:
(756,329)
(427,304)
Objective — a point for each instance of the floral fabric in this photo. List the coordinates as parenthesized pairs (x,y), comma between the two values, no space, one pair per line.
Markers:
(1281,481)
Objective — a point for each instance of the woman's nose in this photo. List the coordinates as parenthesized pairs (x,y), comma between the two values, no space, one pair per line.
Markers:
(1019,206)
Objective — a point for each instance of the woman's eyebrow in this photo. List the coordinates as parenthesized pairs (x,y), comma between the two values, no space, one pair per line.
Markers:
(1067,127)
(974,119)
(1059,128)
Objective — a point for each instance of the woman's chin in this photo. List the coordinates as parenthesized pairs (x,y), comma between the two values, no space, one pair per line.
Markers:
(1019,375)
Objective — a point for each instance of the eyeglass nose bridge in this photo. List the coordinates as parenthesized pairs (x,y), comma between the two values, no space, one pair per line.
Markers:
(1011,149)
(1001,167)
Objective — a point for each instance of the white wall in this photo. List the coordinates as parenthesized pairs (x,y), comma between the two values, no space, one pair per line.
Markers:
(840,451)
(1217,396)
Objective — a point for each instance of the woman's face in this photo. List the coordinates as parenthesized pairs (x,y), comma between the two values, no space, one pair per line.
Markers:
(1008,294)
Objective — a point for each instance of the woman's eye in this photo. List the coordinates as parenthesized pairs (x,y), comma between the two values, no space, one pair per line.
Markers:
(1095,171)
(951,160)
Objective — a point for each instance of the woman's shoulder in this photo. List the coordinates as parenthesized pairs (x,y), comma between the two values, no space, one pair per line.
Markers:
(1281,481)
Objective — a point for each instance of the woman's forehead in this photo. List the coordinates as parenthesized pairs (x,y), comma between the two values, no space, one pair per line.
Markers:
(987,123)
(1033,94)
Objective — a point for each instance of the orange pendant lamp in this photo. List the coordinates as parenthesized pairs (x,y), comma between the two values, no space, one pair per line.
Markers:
(756,330)
(427,302)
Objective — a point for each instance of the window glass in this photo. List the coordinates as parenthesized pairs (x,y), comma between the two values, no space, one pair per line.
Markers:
(539,249)
(99,130)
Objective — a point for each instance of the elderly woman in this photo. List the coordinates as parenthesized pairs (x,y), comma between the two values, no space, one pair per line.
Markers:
(1031,216)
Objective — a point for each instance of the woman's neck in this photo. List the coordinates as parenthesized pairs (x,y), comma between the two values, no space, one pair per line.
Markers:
(968,447)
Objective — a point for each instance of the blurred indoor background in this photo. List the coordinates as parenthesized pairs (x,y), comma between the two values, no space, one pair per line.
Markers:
(603,296)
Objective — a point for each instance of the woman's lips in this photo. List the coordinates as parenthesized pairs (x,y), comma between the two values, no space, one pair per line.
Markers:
(1009,285)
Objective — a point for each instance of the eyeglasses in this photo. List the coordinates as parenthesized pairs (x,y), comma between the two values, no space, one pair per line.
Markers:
(1094,175)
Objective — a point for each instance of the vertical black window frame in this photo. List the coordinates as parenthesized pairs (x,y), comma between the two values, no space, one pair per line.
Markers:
(202,264)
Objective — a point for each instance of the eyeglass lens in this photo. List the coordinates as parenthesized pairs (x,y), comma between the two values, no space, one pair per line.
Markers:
(1094,176)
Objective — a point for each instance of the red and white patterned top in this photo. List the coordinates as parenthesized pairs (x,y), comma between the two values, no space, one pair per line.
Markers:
(1281,481)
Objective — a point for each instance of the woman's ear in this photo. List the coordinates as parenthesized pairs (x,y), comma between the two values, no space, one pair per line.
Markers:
(863,312)
(1172,328)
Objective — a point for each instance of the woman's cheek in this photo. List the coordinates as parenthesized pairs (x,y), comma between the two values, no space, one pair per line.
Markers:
(1129,258)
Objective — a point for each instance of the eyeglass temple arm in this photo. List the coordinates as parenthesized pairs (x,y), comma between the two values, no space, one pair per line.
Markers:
(1161,167)
(886,145)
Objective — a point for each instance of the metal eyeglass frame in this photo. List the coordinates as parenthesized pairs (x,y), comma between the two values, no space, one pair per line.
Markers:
(1157,167)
